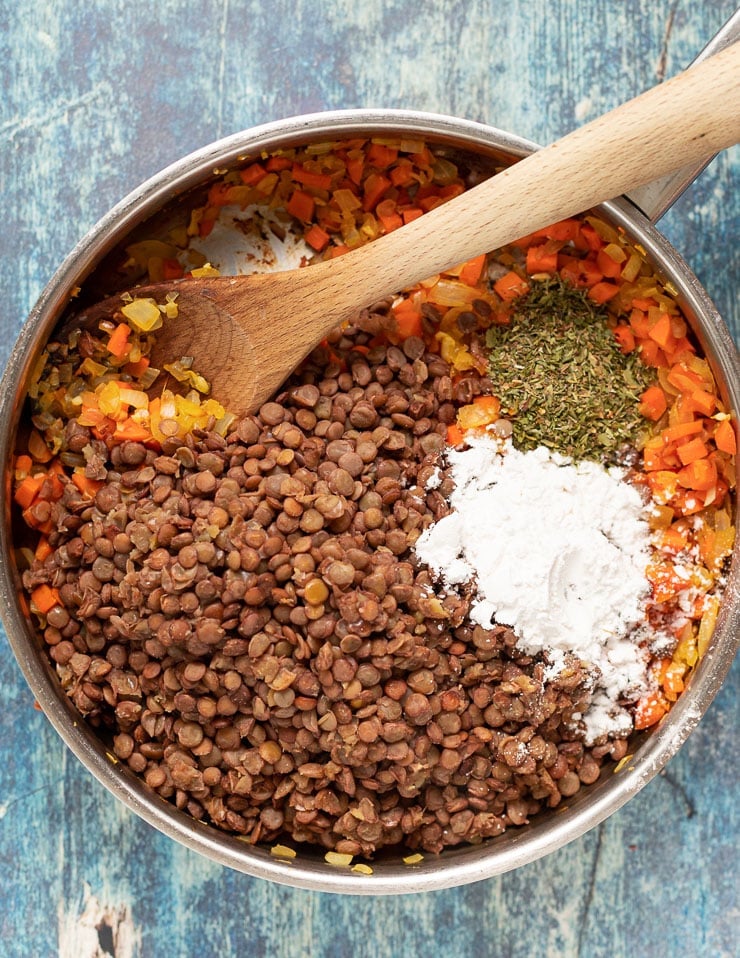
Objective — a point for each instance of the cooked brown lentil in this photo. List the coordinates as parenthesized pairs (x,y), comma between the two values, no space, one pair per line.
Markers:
(243,617)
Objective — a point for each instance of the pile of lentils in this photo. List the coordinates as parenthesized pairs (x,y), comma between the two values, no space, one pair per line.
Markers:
(245,622)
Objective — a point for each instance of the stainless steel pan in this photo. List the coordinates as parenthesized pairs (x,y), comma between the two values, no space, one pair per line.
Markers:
(155,203)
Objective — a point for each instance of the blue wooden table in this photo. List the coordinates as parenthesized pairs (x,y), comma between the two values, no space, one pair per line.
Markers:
(96,96)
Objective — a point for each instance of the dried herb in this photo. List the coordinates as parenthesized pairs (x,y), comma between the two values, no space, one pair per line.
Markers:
(561,376)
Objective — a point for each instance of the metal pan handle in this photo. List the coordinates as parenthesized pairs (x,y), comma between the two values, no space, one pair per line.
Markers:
(655,198)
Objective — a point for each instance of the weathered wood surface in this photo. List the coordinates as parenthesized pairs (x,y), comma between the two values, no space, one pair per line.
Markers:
(98,96)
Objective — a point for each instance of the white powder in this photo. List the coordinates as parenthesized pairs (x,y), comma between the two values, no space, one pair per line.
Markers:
(557,551)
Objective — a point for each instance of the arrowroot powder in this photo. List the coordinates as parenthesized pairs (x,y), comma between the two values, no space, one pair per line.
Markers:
(556,550)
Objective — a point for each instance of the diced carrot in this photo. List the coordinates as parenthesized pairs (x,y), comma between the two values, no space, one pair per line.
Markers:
(490,405)
(374,188)
(653,403)
(218,195)
(681,430)
(608,266)
(381,156)
(650,709)
(408,323)
(700,475)
(317,238)
(277,163)
(131,431)
(643,303)
(45,598)
(388,215)
(684,379)
(703,402)
(660,332)
(673,539)
(301,205)
(639,324)
(510,286)
(338,250)
(542,259)
(172,269)
(455,435)
(625,337)
(471,272)
(318,181)
(252,174)
(43,549)
(652,355)
(724,437)
(355,168)
(592,238)
(411,214)
(118,342)
(691,450)
(564,231)
(23,465)
(27,490)
(602,292)
(579,272)
(88,487)
(402,174)
(138,368)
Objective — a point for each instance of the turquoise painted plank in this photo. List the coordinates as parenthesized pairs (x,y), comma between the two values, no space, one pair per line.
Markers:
(96,97)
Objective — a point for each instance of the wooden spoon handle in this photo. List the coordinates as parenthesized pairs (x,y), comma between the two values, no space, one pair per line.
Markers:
(691,116)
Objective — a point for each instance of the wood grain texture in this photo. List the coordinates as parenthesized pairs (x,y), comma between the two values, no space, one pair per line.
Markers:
(98,96)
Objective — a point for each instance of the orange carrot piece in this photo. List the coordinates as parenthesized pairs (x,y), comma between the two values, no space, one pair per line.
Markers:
(703,402)
(138,368)
(252,174)
(602,292)
(608,266)
(27,490)
(724,437)
(388,215)
(699,475)
(408,323)
(301,205)
(684,379)
(650,710)
(317,181)
(653,403)
(652,355)
(471,272)
(43,549)
(660,332)
(691,450)
(681,430)
(455,435)
(118,342)
(277,163)
(317,238)
(172,269)
(88,487)
(625,337)
(23,465)
(542,259)
(45,598)
(412,214)
(380,155)
(510,286)
(355,169)
(564,231)
(374,188)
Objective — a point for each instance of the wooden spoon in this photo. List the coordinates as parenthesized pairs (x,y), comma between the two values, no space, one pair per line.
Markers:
(247,333)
